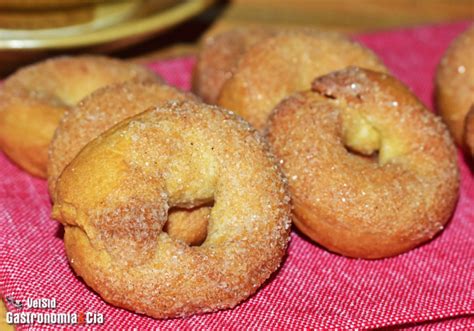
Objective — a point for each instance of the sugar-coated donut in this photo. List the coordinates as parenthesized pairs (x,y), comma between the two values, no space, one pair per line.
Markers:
(97,113)
(286,63)
(114,197)
(33,100)
(371,171)
(455,83)
(469,131)
(218,58)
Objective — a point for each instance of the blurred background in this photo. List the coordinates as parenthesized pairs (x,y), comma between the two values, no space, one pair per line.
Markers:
(146,30)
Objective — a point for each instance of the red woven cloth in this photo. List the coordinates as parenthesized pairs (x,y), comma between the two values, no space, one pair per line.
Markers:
(431,287)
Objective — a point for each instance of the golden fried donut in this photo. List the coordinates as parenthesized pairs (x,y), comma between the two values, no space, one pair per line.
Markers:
(286,63)
(371,172)
(218,58)
(455,83)
(33,100)
(97,113)
(469,131)
(114,197)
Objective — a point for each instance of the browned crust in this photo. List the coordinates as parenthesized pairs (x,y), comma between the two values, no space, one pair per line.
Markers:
(181,154)
(33,100)
(351,204)
(455,83)
(286,63)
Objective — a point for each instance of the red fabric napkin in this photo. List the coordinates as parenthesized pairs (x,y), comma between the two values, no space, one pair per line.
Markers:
(431,287)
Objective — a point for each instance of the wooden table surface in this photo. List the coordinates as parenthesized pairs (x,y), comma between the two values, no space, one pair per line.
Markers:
(350,16)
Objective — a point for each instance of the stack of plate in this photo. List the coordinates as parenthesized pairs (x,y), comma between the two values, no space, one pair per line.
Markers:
(29,28)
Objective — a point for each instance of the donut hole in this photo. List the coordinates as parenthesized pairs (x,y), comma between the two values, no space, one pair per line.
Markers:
(368,139)
(359,137)
(189,224)
(372,158)
(382,152)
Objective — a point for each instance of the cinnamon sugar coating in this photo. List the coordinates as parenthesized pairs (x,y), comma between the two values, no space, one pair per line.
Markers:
(33,100)
(100,111)
(281,65)
(219,56)
(97,113)
(371,171)
(455,84)
(114,197)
